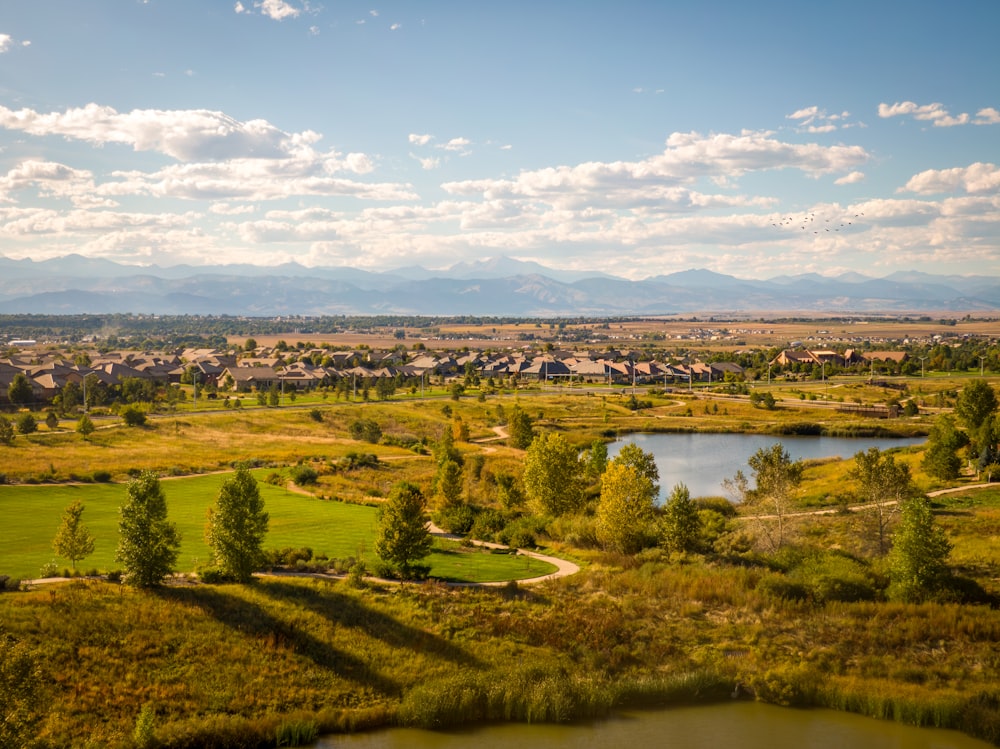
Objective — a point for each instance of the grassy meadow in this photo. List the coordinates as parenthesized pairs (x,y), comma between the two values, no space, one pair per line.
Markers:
(237,666)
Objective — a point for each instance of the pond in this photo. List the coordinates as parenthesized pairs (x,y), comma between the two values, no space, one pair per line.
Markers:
(746,725)
(703,461)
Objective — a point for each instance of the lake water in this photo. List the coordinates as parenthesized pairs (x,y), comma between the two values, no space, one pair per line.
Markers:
(703,461)
(739,725)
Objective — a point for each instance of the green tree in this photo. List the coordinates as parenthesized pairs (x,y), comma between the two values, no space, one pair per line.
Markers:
(20,691)
(237,526)
(595,460)
(448,482)
(644,462)
(26,424)
(975,404)
(776,479)
(73,540)
(552,482)
(20,391)
(943,443)
(6,431)
(520,429)
(918,565)
(51,420)
(148,543)
(680,526)
(882,484)
(625,511)
(385,388)
(402,537)
(85,426)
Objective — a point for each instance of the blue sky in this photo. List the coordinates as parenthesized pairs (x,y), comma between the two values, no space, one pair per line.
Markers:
(636,138)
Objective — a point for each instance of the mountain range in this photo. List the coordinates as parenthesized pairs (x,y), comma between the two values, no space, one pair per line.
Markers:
(495,287)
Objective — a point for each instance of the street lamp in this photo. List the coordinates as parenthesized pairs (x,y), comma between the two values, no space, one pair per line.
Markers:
(981,360)
(922,360)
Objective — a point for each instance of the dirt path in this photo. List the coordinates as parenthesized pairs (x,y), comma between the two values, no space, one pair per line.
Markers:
(563,567)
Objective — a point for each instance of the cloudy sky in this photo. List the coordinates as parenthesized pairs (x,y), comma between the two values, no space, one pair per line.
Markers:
(637,138)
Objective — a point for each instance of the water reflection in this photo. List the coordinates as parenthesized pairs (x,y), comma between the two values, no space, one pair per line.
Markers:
(703,461)
(738,725)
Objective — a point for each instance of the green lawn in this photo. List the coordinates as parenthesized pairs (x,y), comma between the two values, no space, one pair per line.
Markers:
(31,516)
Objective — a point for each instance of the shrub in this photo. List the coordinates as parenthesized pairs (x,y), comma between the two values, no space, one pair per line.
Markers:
(214,576)
(366,430)
(133,416)
(304,475)
(720,505)
(26,424)
(101,476)
(315,414)
(457,519)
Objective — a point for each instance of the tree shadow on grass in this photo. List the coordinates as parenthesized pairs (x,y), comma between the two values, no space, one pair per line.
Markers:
(347,611)
(255,622)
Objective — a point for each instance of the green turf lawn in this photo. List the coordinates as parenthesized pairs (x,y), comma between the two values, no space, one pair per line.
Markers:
(31,516)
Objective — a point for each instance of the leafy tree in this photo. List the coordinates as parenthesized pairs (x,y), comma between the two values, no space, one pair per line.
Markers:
(26,424)
(625,511)
(680,526)
(520,429)
(20,690)
(943,443)
(237,525)
(385,388)
(273,396)
(976,403)
(73,540)
(148,543)
(508,491)
(595,460)
(137,390)
(552,482)
(645,463)
(448,482)
(776,478)
(918,561)
(85,426)
(51,420)
(20,391)
(6,431)
(250,344)
(402,537)
(883,484)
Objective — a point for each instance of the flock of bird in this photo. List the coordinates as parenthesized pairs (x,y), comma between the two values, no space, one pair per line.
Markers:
(808,222)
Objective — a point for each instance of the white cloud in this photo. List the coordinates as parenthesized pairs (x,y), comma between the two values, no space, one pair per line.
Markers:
(815,120)
(427,163)
(457,144)
(239,7)
(974,179)
(420,140)
(5,41)
(396,27)
(988,116)
(935,113)
(277,10)
(850,179)
(185,135)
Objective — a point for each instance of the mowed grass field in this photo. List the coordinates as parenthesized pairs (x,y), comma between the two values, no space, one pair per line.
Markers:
(32,515)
